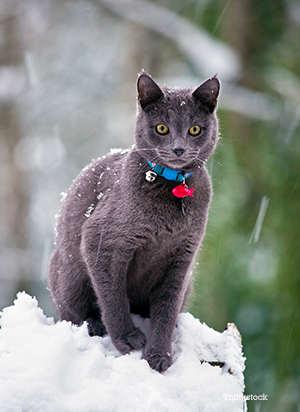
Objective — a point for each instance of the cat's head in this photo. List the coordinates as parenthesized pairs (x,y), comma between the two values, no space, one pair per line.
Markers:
(176,128)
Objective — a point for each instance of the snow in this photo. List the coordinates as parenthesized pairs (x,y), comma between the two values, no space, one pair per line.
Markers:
(115,150)
(47,366)
(89,210)
(260,219)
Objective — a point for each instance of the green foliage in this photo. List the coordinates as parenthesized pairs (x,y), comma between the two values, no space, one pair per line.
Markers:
(256,284)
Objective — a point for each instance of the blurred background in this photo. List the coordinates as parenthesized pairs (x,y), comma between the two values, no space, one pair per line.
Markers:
(68,70)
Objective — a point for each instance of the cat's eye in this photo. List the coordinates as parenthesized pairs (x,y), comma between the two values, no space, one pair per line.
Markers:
(195,130)
(162,129)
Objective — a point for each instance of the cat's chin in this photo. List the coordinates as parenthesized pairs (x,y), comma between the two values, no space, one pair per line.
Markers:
(177,164)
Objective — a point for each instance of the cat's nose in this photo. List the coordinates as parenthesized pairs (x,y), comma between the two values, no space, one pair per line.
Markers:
(178,151)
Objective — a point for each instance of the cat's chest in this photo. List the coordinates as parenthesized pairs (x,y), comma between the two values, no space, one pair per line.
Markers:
(131,206)
(161,228)
(154,250)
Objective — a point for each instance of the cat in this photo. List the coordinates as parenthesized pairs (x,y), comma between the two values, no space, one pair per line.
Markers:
(129,227)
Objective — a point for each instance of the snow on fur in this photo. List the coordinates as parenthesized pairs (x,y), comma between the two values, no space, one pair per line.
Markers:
(56,367)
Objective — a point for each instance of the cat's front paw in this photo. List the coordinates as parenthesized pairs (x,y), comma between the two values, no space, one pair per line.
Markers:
(134,340)
(157,361)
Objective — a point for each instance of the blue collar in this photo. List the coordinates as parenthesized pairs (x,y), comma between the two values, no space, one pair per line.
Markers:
(169,174)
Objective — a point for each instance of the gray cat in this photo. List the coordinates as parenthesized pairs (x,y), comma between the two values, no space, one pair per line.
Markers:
(130,227)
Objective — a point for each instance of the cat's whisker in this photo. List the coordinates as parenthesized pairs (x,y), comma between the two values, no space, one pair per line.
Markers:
(140,150)
(201,160)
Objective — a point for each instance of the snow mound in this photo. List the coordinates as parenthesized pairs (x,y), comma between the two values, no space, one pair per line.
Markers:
(47,366)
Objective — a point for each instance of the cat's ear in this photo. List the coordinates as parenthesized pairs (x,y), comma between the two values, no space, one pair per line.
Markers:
(207,93)
(148,90)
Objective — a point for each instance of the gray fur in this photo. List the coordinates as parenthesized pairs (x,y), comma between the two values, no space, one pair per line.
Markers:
(126,245)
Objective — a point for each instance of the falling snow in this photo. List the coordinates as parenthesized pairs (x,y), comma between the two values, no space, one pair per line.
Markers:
(260,219)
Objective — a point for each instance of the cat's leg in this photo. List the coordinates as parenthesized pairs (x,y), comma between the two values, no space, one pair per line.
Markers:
(94,319)
(73,294)
(166,301)
(107,259)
